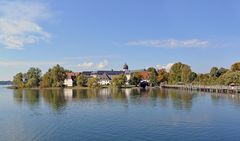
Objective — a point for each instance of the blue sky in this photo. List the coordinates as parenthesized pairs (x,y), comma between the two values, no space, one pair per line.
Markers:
(105,34)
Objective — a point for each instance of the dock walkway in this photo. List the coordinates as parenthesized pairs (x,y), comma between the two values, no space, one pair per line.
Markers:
(202,88)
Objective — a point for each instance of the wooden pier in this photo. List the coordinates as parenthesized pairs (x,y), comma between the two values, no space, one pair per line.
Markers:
(201,88)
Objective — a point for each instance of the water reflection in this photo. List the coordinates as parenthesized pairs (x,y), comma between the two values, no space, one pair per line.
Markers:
(219,98)
(55,98)
(31,97)
(59,98)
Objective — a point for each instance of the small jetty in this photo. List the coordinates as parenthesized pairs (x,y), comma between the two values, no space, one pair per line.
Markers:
(202,88)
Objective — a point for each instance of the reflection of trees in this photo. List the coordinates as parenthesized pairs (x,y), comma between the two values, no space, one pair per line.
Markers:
(55,98)
(217,98)
(29,96)
(119,94)
(84,94)
(18,95)
(163,97)
(99,95)
(32,96)
(181,99)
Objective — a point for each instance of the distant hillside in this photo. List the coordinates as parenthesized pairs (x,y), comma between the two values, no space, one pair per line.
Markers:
(5,82)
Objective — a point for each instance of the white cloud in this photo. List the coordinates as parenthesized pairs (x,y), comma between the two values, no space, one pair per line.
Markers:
(17,64)
(19,23)
(91,65)
(86,65)
(167,67)
(170,43)
(102,64)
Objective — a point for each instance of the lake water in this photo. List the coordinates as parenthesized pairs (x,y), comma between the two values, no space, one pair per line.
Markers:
(118,115)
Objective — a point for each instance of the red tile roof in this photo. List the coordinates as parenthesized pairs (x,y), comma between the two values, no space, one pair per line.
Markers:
(72,74)
(145,75)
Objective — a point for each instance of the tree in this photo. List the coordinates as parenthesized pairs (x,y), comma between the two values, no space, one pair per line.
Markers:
(230,77)
(46,80)
(18,80)
(152,70)
(162,76)
(193,76)
(119,80)
(203,79)
(153,79)
(235,66)
(58,75)
(221,71)
(213,71)
(33,77)
(179,73)
(93,82)
(82,80)
(135,78)
(186,74)
(54,77)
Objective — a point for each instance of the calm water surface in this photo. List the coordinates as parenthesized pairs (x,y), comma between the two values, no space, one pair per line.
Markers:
(112,114)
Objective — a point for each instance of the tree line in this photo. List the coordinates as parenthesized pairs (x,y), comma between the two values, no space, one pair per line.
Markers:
(182,74)
(179,73)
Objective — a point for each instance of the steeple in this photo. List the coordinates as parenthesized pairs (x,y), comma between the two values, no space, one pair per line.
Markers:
(125,67)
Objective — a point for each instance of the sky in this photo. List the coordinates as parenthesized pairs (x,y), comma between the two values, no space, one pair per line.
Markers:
(105,34)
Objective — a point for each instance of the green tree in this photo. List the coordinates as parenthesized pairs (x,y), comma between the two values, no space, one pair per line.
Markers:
(135,78)
(203,79)
(162,76)
(221,71)
(46,80)
(18,80)
(119,81)
(152,70)
(230,77)
(213,71)
(179,73)
(186,74)
(153,79)
(93,82)
(58,75)
(54,77)
(235,66)
(33,77)
(82,80)
(193,76)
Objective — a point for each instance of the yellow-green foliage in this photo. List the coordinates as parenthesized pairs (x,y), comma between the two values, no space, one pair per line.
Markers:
(230,77)
(119,81)
(179,73)
(93,82)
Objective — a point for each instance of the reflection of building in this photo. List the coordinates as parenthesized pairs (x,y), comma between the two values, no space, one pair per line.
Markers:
(68,94)
(128,93)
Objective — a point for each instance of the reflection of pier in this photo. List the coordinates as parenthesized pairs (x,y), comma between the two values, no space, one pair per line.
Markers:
(214,89)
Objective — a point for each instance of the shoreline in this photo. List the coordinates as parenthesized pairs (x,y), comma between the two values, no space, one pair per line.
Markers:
(200,88)
(74,88)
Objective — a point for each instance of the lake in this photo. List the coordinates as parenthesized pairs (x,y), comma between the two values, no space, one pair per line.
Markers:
(118,115)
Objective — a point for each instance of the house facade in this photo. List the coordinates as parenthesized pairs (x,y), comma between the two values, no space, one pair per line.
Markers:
(71,77)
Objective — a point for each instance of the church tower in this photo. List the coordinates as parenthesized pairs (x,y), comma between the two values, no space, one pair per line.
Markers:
(125,67)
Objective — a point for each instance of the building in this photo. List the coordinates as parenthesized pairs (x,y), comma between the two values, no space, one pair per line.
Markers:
(71,77)
(105,77)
